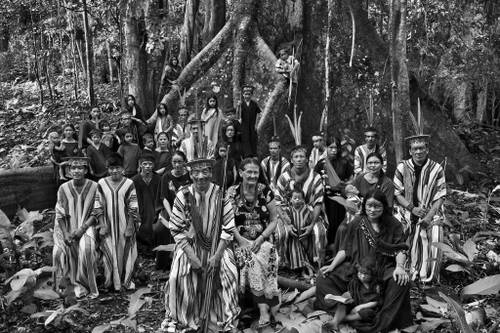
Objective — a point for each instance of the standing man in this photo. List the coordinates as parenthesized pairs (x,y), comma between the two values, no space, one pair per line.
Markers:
(318,152)
(371,145)
(116,209)
(75,248)
(197,141)
(147,187)
(274,164)
(250,112)
(192,224)
(420,189)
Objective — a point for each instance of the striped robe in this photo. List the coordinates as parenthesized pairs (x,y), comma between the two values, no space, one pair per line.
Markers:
(360,155)
(315,157)
(118,206)
(303,247)
(271,172)
(425,259)
(188,148)
(78,262)
(184,291)
(179,133)
(313,190)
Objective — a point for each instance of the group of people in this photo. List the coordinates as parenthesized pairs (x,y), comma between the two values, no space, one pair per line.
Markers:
(236,219)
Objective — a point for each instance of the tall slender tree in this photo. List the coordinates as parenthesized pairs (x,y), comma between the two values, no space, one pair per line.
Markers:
(89,56)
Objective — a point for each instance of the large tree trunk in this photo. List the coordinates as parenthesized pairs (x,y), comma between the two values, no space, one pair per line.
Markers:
(137,60)
(215,17)
(188,31)
(89,55)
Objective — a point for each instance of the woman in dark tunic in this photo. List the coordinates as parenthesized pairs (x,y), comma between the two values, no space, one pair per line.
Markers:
(257,258)
(374,233)
(170,183)
(334,211)
(87,126)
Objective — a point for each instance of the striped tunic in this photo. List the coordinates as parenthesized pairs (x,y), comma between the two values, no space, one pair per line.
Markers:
(315,157)
(273,169)
(360,155)
(184,291)
(78,262)
(118,205)
(303,248)
(425,259)
(313,190)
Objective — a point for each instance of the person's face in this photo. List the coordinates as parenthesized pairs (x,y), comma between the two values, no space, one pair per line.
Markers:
(201,177)
(128,138)
(182,115)
(178,163)
(231,115)
(147,167)
(116,172)
(250,174)
(162,110)
(297,200)
(299,159)
(374,208)
(364,276)
(283,56)
(105,128)
(274,150)
(68,132)
(163,141)
(247,94)
(54,138)
(212,102)
(419,152)
(318,142)
(149,143)
(230,131)
(332,151)
(371,139)
(222,152)
(78,172)
(194,129)
(95,113)
(126,120)
(374,165)
(174,61)
(130,101)
(96,139)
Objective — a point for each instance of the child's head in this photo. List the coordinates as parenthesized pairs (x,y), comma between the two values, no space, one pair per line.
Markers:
(229,131)
(95,113)
(105,126)
(54,137)
(95,136)
(69,131)
(298,198)
(179,161)
(351,190)
(283,53)
(212,102)
(162,140)
(318,141)
(366,269)
(162,110)
(149,141)
(128,137)
(130,99)
(125,118)
(221,149)
(230,114)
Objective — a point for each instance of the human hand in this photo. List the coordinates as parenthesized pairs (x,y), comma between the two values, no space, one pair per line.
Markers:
(326,269)
(214,261)
(307,231)
(103,230)
(400,276)
(257,243)
(419,211)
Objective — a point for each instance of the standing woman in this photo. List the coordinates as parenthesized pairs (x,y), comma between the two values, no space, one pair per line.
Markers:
(212,116)
(134,109)
(378,234)
(170,183)
(302,177)
(334,211)
(230,139)
(255,218)
(161,120)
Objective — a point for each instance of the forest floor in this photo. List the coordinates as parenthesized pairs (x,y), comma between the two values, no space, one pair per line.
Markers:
(472,252)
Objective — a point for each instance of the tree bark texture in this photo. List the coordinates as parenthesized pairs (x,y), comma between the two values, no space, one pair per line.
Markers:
(188,31)
(214,20)
(89,55)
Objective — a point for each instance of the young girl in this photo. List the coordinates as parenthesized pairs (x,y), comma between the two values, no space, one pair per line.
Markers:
(161,120)
(212,116)
(87,126)
(69,146)
(130,153)
(56,155)
(229,137)
(134,109)
(163,156)
(218,168)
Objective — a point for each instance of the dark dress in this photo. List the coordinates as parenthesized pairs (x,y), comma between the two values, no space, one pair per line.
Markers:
(362,241)
(248,133)
(218,172)
(384,184)
(98,160)
(147,199)
(86,126)
(169,185)
(334,211)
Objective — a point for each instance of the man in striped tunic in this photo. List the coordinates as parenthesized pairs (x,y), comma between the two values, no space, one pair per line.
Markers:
(318,152)
(274,165)
(192,225)
(302,177)
(420,189)
(117,211)
(370,146)
(74,252)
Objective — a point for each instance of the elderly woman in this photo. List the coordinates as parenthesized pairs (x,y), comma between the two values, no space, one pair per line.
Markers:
(300,176)
(373,233)
(255,219)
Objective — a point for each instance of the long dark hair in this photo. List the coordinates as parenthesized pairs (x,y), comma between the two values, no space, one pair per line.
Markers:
(380,197)
(334,140)
(158,110)
(381,159)
(216,102)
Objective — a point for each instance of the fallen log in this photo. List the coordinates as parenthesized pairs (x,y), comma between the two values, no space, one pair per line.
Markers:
(31,188)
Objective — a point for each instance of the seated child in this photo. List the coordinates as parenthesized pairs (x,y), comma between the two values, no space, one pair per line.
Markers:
(363,295)
(287,65)
(353,200)
(163,156)
(130,153)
